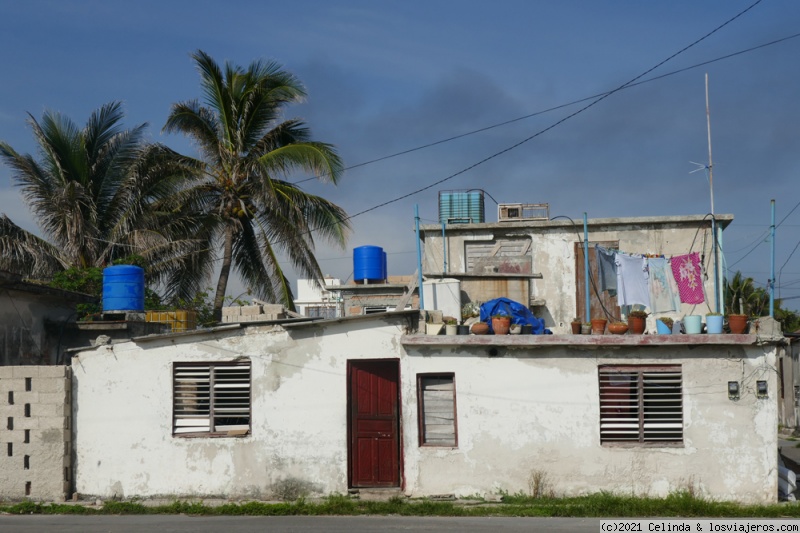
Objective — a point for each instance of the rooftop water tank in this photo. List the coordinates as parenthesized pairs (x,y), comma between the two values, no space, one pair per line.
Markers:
(123,289)
(369,264)
(461,207)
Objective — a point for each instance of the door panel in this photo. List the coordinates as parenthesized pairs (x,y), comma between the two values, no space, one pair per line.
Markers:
(374,458)
(599,302)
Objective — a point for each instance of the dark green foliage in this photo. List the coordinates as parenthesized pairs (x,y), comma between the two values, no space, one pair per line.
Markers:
(239,207)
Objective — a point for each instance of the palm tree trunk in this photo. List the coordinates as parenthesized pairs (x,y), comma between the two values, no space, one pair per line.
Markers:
(222,282)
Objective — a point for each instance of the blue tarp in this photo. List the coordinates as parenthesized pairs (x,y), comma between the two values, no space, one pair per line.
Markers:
(519,314)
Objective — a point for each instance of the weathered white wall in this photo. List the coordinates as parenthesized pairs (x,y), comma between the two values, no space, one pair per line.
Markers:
(530,410)
(539,411)
(123,429)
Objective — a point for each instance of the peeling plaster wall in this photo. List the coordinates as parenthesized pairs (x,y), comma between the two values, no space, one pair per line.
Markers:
(529,410)
(539,411)
(123,415)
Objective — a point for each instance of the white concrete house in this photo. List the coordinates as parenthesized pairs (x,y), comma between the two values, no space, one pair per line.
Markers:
(365,402)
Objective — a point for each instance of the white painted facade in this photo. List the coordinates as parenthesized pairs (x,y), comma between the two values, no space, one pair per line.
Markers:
(524,404)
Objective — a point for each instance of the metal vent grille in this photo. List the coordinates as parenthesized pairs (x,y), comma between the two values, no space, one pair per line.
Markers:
(641,404)
(211,398)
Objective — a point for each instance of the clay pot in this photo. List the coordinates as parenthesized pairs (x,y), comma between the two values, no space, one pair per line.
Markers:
(637,325)
(737,323)
(598,326)
(501,324)
(576,328)
(480,328)
(618,328)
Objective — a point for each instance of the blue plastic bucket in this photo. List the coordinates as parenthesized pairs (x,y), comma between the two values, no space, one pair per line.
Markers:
(369,263)
(123,288)
(662,328)
(714,323)
(693,324)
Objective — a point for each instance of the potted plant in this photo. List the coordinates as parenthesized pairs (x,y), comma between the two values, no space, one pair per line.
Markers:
(618,328)
(450,325)
(599,326)
(586,328)
(501,323)
(714,322)
(576,326)
(737,323)
(664,325)
(637,322)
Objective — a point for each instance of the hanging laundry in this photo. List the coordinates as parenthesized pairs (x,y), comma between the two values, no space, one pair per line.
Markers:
(632,280)
(607,269)
(686,270)
(663,290)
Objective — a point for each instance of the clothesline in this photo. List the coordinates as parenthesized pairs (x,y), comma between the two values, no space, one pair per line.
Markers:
(654,281)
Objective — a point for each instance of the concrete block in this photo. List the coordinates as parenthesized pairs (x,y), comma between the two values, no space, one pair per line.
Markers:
(53,398)
(44,410)
(767,327)
(22,423)
(21,398)
(12,384)
(16,437)
(250,310)
(25,371)
(49,384)
(50,422)
(273,309)
(53,371)
(235,310)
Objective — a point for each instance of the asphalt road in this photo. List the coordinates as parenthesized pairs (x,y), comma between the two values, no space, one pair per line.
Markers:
(294,524)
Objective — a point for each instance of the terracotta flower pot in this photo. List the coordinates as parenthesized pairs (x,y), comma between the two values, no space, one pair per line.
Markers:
(501,324)
(598,326)
(637,325)
(576,328)
(737,323)
(480,328)
(618,328)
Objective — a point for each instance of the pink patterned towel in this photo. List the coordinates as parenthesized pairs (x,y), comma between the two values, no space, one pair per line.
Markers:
(686,269)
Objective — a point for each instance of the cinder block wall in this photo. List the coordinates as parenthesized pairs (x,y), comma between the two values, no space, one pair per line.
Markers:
(35,432)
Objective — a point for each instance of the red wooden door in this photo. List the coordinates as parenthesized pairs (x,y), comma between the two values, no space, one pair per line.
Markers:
(374,423)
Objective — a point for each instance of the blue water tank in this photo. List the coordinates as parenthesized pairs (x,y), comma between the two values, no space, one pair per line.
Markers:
(369,264)
(123,288)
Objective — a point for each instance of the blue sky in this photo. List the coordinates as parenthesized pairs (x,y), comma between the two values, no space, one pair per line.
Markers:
(384,77)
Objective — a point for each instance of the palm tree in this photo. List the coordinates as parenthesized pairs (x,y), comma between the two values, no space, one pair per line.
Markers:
(240,206)
(90,190)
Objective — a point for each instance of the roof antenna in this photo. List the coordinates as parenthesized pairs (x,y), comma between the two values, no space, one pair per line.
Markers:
(710,175)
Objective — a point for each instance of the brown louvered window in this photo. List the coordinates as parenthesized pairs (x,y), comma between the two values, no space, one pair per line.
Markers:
(641,405)
(211,399)
(436,398)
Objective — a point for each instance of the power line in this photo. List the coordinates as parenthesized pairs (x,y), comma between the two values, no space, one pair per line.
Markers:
(557,123)
(761,238)
(555,108)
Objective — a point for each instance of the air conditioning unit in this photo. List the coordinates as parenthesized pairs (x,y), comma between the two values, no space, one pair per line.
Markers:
(512,212)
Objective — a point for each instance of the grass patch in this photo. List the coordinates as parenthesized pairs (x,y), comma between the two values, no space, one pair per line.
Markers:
(679,504)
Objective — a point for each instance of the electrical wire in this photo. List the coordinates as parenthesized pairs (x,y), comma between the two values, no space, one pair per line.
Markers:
(554,108)
(557,123)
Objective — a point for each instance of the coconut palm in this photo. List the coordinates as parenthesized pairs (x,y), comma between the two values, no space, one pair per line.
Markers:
(89,190)
(243,210)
